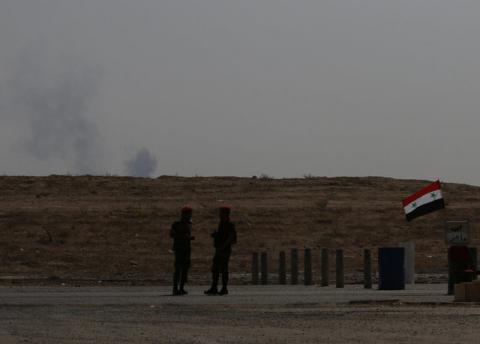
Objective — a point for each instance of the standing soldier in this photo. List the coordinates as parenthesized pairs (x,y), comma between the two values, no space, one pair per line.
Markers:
(181,233)
(223,239)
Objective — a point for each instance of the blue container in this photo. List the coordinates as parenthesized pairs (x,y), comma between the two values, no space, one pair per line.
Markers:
(391,268)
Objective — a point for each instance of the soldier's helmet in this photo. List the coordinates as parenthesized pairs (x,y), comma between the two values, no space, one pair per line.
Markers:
(225,209)
(186,210)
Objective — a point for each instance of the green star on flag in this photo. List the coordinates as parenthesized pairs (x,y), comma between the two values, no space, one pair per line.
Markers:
(424,201)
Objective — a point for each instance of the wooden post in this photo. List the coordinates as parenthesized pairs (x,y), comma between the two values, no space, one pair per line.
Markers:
(367,269)
(294,266)
(339,269)
(282,268)
(307,267)
(255,268)
(325,268)
(264,268)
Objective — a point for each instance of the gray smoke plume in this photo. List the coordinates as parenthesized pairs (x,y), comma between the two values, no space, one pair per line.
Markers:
(55,104)
(142,164)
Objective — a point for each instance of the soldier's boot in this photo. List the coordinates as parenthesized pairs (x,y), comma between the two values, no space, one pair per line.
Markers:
(213,289)
(183,279)
(224,290)
(176,279)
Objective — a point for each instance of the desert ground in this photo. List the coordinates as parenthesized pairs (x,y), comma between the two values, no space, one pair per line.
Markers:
(90,228)
(88,259)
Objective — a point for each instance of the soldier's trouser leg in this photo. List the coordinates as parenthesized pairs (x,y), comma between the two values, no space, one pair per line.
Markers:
(224,279)
(183,277)
(215,277)
(223,264)
(182,263)
(176,277)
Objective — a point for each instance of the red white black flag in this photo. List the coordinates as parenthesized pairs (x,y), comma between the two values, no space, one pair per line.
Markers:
(424,201)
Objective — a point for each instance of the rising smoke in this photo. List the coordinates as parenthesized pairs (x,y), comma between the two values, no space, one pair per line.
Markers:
(55,104)
(142,164)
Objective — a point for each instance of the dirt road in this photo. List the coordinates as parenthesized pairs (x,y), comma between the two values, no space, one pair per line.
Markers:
(273,314)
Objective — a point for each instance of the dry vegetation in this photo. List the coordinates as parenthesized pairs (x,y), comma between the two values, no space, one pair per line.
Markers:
(117,227)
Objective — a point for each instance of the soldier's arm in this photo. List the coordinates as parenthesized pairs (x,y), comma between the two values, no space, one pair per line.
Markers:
(189,234)
(230,238)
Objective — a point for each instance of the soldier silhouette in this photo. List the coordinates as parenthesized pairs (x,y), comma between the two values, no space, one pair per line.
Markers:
(181,233)
(223,239)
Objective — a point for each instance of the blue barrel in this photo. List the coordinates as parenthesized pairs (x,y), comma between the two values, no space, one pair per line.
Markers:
(391,268)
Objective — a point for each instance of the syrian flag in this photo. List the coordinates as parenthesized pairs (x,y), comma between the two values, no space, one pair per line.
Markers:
(424,201)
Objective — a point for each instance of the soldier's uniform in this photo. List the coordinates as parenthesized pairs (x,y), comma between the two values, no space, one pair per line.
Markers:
(223,238)
(181,233)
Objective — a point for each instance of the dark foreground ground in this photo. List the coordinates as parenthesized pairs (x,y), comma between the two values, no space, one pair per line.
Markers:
(250,314)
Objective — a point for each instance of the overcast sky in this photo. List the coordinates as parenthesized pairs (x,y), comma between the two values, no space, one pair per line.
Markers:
(228,87)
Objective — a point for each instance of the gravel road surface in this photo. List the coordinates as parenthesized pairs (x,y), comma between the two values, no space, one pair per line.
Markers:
(250,314)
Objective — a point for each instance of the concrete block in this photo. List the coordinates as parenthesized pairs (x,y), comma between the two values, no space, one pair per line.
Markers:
(472,292)
(409,261)
(460,295)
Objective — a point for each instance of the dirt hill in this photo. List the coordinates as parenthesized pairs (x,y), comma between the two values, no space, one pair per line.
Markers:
(117,227)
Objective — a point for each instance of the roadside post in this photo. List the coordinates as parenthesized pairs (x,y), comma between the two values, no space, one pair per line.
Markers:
(307,267)
(255,268)
(264,268)
(282,274)
(325,268)
(294,266)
